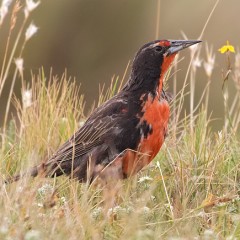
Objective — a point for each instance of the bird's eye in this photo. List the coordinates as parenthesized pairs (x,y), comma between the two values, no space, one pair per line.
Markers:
(158,48)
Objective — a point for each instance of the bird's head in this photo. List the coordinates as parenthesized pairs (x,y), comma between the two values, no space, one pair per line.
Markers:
(153,59)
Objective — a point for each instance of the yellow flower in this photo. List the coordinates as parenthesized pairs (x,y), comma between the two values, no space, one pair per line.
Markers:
(227,48)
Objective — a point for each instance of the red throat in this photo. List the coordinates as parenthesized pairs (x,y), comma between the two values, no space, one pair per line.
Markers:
(167,61)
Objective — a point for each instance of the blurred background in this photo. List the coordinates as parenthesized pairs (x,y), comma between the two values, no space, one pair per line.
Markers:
(95,40)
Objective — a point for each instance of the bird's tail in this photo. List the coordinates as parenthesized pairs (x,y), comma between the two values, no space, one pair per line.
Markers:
(33,172)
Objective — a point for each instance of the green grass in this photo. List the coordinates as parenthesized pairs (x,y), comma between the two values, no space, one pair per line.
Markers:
(189,191)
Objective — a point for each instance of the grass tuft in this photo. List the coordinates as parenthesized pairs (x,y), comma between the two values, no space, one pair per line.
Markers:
(190,191)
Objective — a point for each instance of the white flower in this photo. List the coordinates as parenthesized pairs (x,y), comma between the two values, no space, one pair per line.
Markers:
(30,6)
(97,212)
(31,30)
(4,9)
(118,210)
(19,65)
(32,235)
(27,98)
(46,188)
(145,179)
(63,200)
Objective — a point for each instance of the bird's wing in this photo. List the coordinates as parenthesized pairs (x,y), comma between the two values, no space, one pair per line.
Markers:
(86,138)
(94,134)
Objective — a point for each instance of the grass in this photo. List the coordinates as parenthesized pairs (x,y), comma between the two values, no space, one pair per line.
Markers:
(190,190)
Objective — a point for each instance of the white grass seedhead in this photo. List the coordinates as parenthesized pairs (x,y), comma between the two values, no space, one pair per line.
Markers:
(237,60)
(208,67)
(19,65)
(145,179)
(27,98)
(210,62)
(30,6)
(31,30)
(6,3)
(236,76)
(197,62)
(4,9)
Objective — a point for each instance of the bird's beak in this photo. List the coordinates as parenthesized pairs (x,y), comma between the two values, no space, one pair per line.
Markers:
(178,45)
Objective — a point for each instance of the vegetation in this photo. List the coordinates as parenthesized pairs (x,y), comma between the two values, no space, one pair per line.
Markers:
(190,190)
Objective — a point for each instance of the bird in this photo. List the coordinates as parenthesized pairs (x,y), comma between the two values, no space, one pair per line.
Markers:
(125,133)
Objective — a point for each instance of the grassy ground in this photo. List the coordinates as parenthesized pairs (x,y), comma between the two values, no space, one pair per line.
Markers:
(190,190)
